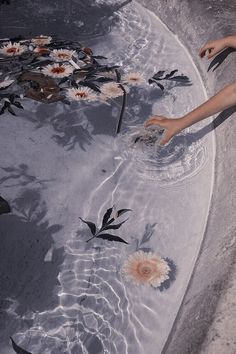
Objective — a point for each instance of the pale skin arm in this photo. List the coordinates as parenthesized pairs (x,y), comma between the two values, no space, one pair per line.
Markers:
(224,99)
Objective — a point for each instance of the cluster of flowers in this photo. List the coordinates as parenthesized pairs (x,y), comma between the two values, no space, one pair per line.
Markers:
(64,63)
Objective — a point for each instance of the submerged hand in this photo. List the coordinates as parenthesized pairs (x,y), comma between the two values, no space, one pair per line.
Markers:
(171,126)
(213,48)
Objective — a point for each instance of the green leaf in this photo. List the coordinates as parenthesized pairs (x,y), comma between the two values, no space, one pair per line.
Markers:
(91,225)
(10,110)
(18,349)
(158,74)
(110,237)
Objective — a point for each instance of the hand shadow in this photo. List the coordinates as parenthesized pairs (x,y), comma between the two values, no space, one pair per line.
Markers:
(220,58)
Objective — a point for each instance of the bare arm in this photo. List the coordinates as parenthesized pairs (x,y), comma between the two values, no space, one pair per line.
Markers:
(214,47)
(222,100)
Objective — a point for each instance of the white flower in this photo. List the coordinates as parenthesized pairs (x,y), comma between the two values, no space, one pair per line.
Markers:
(41,40)
(5,83)
(133,79)
(146,268)
(81,94)
(63,54)
(12,49)
(58,71)
(111,89)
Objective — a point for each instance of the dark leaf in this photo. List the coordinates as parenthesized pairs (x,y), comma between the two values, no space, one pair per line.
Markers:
(122,211)
(10,110)
(151,81)
(18,349)
(103,79)
(170,74)
(110,237)
(98,57)
(114,227)
(64,79)
(74,84)
(158,74)
(180,78)
(4,206)
(18,104)
(91,225)
(90,85)
(2,110)
(118,75)
(106,216)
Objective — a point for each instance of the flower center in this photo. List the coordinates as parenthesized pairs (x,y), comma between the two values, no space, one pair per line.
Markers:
(12,50)
(63,56)
(81,94)
(58,70)
(134,78)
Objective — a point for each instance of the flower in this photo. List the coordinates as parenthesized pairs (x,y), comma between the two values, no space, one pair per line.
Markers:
(41,50)
(11,49)
(41,40)
(57,70)
(146,268)
(62,54)
(81,94)
(111,89)
(133,79)
(5,83)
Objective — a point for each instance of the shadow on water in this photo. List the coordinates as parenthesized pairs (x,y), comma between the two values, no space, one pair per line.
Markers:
(27,281)
(76,19)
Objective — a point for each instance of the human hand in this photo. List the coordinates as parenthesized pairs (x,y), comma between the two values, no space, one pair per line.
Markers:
(213,47)
(171,126)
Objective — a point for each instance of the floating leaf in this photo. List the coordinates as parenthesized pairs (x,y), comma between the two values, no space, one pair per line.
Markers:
(90,85)
(118,75)
(180,78)
(98,57)
(10,110)
(106,216)
(114,227)
(170,74)
(18,349)
(18,104)
(158,74)
(4,206)
(110,237)
(122,211)
(104,79)
(91,225)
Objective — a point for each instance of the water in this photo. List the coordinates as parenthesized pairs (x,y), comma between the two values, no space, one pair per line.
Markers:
(67,162)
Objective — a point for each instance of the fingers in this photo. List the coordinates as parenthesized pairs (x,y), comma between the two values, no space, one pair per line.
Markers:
(154,121)
(165,138)
(207,47)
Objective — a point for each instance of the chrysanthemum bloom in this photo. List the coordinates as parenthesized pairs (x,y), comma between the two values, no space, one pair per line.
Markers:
(41,40)
(41,50)
(146,268)
(12,49)
(111,89)
(62,54)
(58,71)
(81,94)
(5,83)
(133,79)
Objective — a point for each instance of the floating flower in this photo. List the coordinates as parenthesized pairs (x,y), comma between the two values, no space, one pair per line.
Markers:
(81,94)
(57,70)
(146,268)
(12,49)
(41,40)
(41,50)
(133,79)
(63,54)
(5,83)
(111,89)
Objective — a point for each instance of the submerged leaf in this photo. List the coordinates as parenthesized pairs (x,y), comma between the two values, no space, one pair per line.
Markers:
(170,74)
(110,237)
(18,349)
(180,78)
(158,74)
(122,211)
(4,206)
(91,225)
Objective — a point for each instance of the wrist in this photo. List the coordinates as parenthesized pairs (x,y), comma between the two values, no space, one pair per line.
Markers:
(230,41)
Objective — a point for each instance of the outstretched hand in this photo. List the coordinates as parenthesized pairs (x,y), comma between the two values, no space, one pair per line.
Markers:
(171,126)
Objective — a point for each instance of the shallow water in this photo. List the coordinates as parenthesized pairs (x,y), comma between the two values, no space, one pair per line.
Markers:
(69,163)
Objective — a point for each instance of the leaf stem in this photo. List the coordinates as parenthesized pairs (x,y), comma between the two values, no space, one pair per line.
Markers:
(122,109)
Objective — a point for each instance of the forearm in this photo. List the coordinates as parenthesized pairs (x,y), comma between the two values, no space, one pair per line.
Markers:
(222,100)
(231,41)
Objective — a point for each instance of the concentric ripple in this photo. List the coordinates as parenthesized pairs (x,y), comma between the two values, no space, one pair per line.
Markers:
(171,163)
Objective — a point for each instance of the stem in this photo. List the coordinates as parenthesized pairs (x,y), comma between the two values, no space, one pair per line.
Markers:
(92,238)
(122,109)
